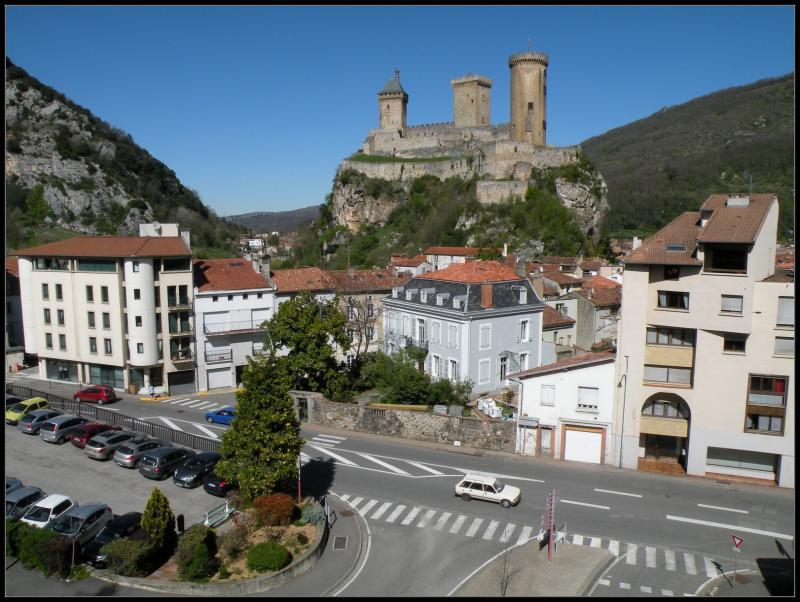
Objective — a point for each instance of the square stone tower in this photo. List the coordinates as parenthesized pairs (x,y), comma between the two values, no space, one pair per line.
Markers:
(392,103)
(471,101)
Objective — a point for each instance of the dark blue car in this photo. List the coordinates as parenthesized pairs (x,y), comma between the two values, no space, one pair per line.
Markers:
(223,416)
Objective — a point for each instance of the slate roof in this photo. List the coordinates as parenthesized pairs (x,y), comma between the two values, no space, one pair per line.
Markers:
(552,318)
(356,281)
(227,275)
(110,246)
(393,86)
(457,251)
(302,279)
(580,361)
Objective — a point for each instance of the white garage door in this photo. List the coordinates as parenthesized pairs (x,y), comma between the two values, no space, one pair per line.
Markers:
(218,379)
(583,446)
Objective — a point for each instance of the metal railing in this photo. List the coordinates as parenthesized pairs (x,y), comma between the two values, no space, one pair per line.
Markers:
(225,327)
(219,515)
(174,332)
(182,355)
(173,302)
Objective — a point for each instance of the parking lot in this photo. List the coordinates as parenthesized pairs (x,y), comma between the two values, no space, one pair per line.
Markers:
(66,469)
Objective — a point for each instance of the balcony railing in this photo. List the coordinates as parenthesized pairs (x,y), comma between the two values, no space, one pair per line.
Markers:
(228,327)
(178,302)
(182,355)
(765,399)
(183,331)
(403,340)
(219,356)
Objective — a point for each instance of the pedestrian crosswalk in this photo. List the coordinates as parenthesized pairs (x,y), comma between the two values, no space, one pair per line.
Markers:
(651,557)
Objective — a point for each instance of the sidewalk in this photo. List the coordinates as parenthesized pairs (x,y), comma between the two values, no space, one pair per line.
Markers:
(775,577)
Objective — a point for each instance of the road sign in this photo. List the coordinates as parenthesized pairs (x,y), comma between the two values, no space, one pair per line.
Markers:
(737,541)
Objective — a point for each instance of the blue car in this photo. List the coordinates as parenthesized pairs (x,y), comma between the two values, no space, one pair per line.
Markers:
(223,416)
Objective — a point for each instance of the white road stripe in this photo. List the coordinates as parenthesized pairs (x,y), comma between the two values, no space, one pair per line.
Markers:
(459,522)
(356,502)
(333,437)
(321,444)
(667,592)
(426,519)
(669,560)
(711,569)
(584,504)
(325,439)
(732,527)
(167,400)
(345,497)
(688,560)
(525,535)
(196,403)
(397,512)
(613,547)
(603,581)
(206,431)
(577,540)
(594,542)
(646,589)
(180,399)
(379,512)
(650,557)
(411,516)
(212,407)
(304,458)
(336,457)
(618,492)
(623,585)
(188,401)
(630,557)
(507,532)
(384,464)
(423,467)
(171,424)
(723,508)
(367,507)
(203,405)
(442,520)
(491,529)
(474,527)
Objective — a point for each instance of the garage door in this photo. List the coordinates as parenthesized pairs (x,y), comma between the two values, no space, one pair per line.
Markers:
(181,382)
(583,446)
(220,378)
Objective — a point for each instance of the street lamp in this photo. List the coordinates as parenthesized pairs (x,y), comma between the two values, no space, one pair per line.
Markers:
(624,399)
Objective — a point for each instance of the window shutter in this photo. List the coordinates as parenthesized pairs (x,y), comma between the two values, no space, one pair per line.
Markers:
(786,311)
(680,375)
(732,303)
(662,299)
(588,395)
(655,373)
(548,395)
(784,346)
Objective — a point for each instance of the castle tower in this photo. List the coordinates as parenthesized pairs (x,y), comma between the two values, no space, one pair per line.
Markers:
(471,101)
(528,97)
(392,101)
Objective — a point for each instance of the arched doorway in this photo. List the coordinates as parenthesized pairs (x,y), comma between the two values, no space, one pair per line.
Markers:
(664,430)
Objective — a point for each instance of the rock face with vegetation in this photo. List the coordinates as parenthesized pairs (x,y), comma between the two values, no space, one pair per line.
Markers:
(82,176)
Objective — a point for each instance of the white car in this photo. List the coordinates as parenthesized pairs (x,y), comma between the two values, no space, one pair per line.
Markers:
(44,512)
(481,487)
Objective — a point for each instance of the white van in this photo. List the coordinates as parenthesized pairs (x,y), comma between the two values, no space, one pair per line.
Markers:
(491,489)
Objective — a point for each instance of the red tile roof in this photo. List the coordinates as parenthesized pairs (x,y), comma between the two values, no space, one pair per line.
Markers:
(459,251)
(475,272)
(559,277)
(735,224)
(110,246)
(408,262)
(599,282)
(578,361)
(302,279)
(552,318)
(683,230)
(227,275)
(351,281)
(12,266)
(602,297)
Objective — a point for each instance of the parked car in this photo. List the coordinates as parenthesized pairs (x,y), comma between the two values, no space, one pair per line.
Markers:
(32,421)
(12,484)
(130,453)
(214,485)
(11,400)
(82,523)
(161,462)
(48,509)
(223,416)
(99,394)
(103,446)
(117,527)
(19,409)
(19,500)
(191,472)
(89,430)
(491,489)
(61,428)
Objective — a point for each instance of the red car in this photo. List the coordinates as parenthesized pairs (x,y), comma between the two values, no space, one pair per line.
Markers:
(99,393)
(87,431)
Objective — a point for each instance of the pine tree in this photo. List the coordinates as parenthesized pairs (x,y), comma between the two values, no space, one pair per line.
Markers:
(158,521)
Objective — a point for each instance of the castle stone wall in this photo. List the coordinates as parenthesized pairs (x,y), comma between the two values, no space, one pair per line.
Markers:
(411,171)
(493,192)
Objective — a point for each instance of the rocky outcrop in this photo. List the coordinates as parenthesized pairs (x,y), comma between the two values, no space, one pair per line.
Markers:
(587,199)
(354,205)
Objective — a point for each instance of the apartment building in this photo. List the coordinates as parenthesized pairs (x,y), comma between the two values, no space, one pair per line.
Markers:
(596,312)
(232,299)
(706,346)
(477,321)
(441,257)
(111,310)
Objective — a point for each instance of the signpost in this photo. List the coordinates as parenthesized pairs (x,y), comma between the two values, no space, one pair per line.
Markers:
(551,536)
(737,547)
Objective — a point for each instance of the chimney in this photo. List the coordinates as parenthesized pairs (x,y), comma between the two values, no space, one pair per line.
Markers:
(505,249)
(589,292)
(186,238)
(637,242)
(486,296)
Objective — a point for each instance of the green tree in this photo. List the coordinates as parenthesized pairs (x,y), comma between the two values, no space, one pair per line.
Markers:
(158,521)
(260,450)
(36,208)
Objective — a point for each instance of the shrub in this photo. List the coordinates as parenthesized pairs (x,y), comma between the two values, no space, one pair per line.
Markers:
(158,521)
(196,550)
(31,548)
(268,556)
(57,555)
(313,514)
(274,509)
(302,538)
(134,556)
(235,540)
(224,573)
(14,531)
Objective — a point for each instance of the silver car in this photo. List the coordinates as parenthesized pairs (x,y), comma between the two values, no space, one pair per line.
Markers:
(82,523)
(19,500)
(129,453)
(60,429)
(102,446)
(32,421)
(12,484)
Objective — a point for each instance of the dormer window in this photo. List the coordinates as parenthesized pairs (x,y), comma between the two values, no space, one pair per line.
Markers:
(459,302)
(731,259)
(423,294)
(442,298)
(676,247)
(410,293)
(396,292)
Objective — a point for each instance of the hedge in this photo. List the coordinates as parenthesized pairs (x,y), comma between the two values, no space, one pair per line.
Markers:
(41,549)
(196,550)
(135,556)
(268,556)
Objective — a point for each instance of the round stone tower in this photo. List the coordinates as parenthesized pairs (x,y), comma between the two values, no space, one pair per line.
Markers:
(528,97)
(392,102)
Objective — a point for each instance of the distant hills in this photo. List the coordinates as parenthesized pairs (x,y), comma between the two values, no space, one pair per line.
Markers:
(275,221)
(670,162)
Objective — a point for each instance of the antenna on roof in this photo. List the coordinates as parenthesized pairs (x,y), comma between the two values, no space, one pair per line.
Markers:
(397,73)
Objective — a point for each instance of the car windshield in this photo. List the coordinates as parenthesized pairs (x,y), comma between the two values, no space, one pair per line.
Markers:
(27,418)
(18,407)
(38,514)
(68,524)
(124,449)
(49,426)
(195,463)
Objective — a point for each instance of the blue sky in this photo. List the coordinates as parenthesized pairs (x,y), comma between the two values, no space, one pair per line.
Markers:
(254,107)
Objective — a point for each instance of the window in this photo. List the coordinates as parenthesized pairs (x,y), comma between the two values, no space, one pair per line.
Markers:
(45,292)
(766,404)
(230,297)
(676,247)
(784,346)
(503,368)
(663,408)
(138,321)
(370,333)
(734,458)
(785,311)
(484,367)
(214,299)
(436,329)
(523,361)
(106,320)
(670,336)
(370,307)
(135,266)
(767,390)
(731,260)
(406,327)
(48,340)
(139,347)
(137,294)
(522,334)
(668,374)
(734,343)
(92,344)
(588,398)
(452,336)
(453,370)
(731,304)
(91,319)
(107,345)
(89,294)
(97,265)
(62,342)
(60,314)
(486,337)
(561,308)
(672,272)
(245,295)
(46,316)
(673,300)
(436,366)
(59,293)
(259,295)
(548,395)
(104,294)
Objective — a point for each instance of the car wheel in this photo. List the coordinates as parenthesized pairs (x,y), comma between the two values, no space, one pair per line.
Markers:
(136,465)
(210,420)
(505,504)
(99,402)
(466,497)
(60,440)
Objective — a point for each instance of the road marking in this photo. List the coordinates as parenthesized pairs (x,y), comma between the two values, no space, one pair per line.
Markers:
(474,527)
(171,424)
(333,437)
(646,589)
(325,439)
(367,507)
(507,532)
(320,443)
(180,399)
(688,560)
(603,581)
(669,559)
(613,547)
(212,407)
(491,529)
(397,512)
(584,504)
(667,592)
(379,512)
(356,502)
(623,585)
(411,516)
(423,467)
(205,405)
(525,535)
(577,540)
(723,508)
(650,557)
(304,458)
(618,492)
(336,457)
(196,403)
(442,520)
(732,527)
(165,400)
(711,569)
(426,519)
(384,464)
(594,542)
(457,525)
(630,557)
(206,431)
(344,496)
